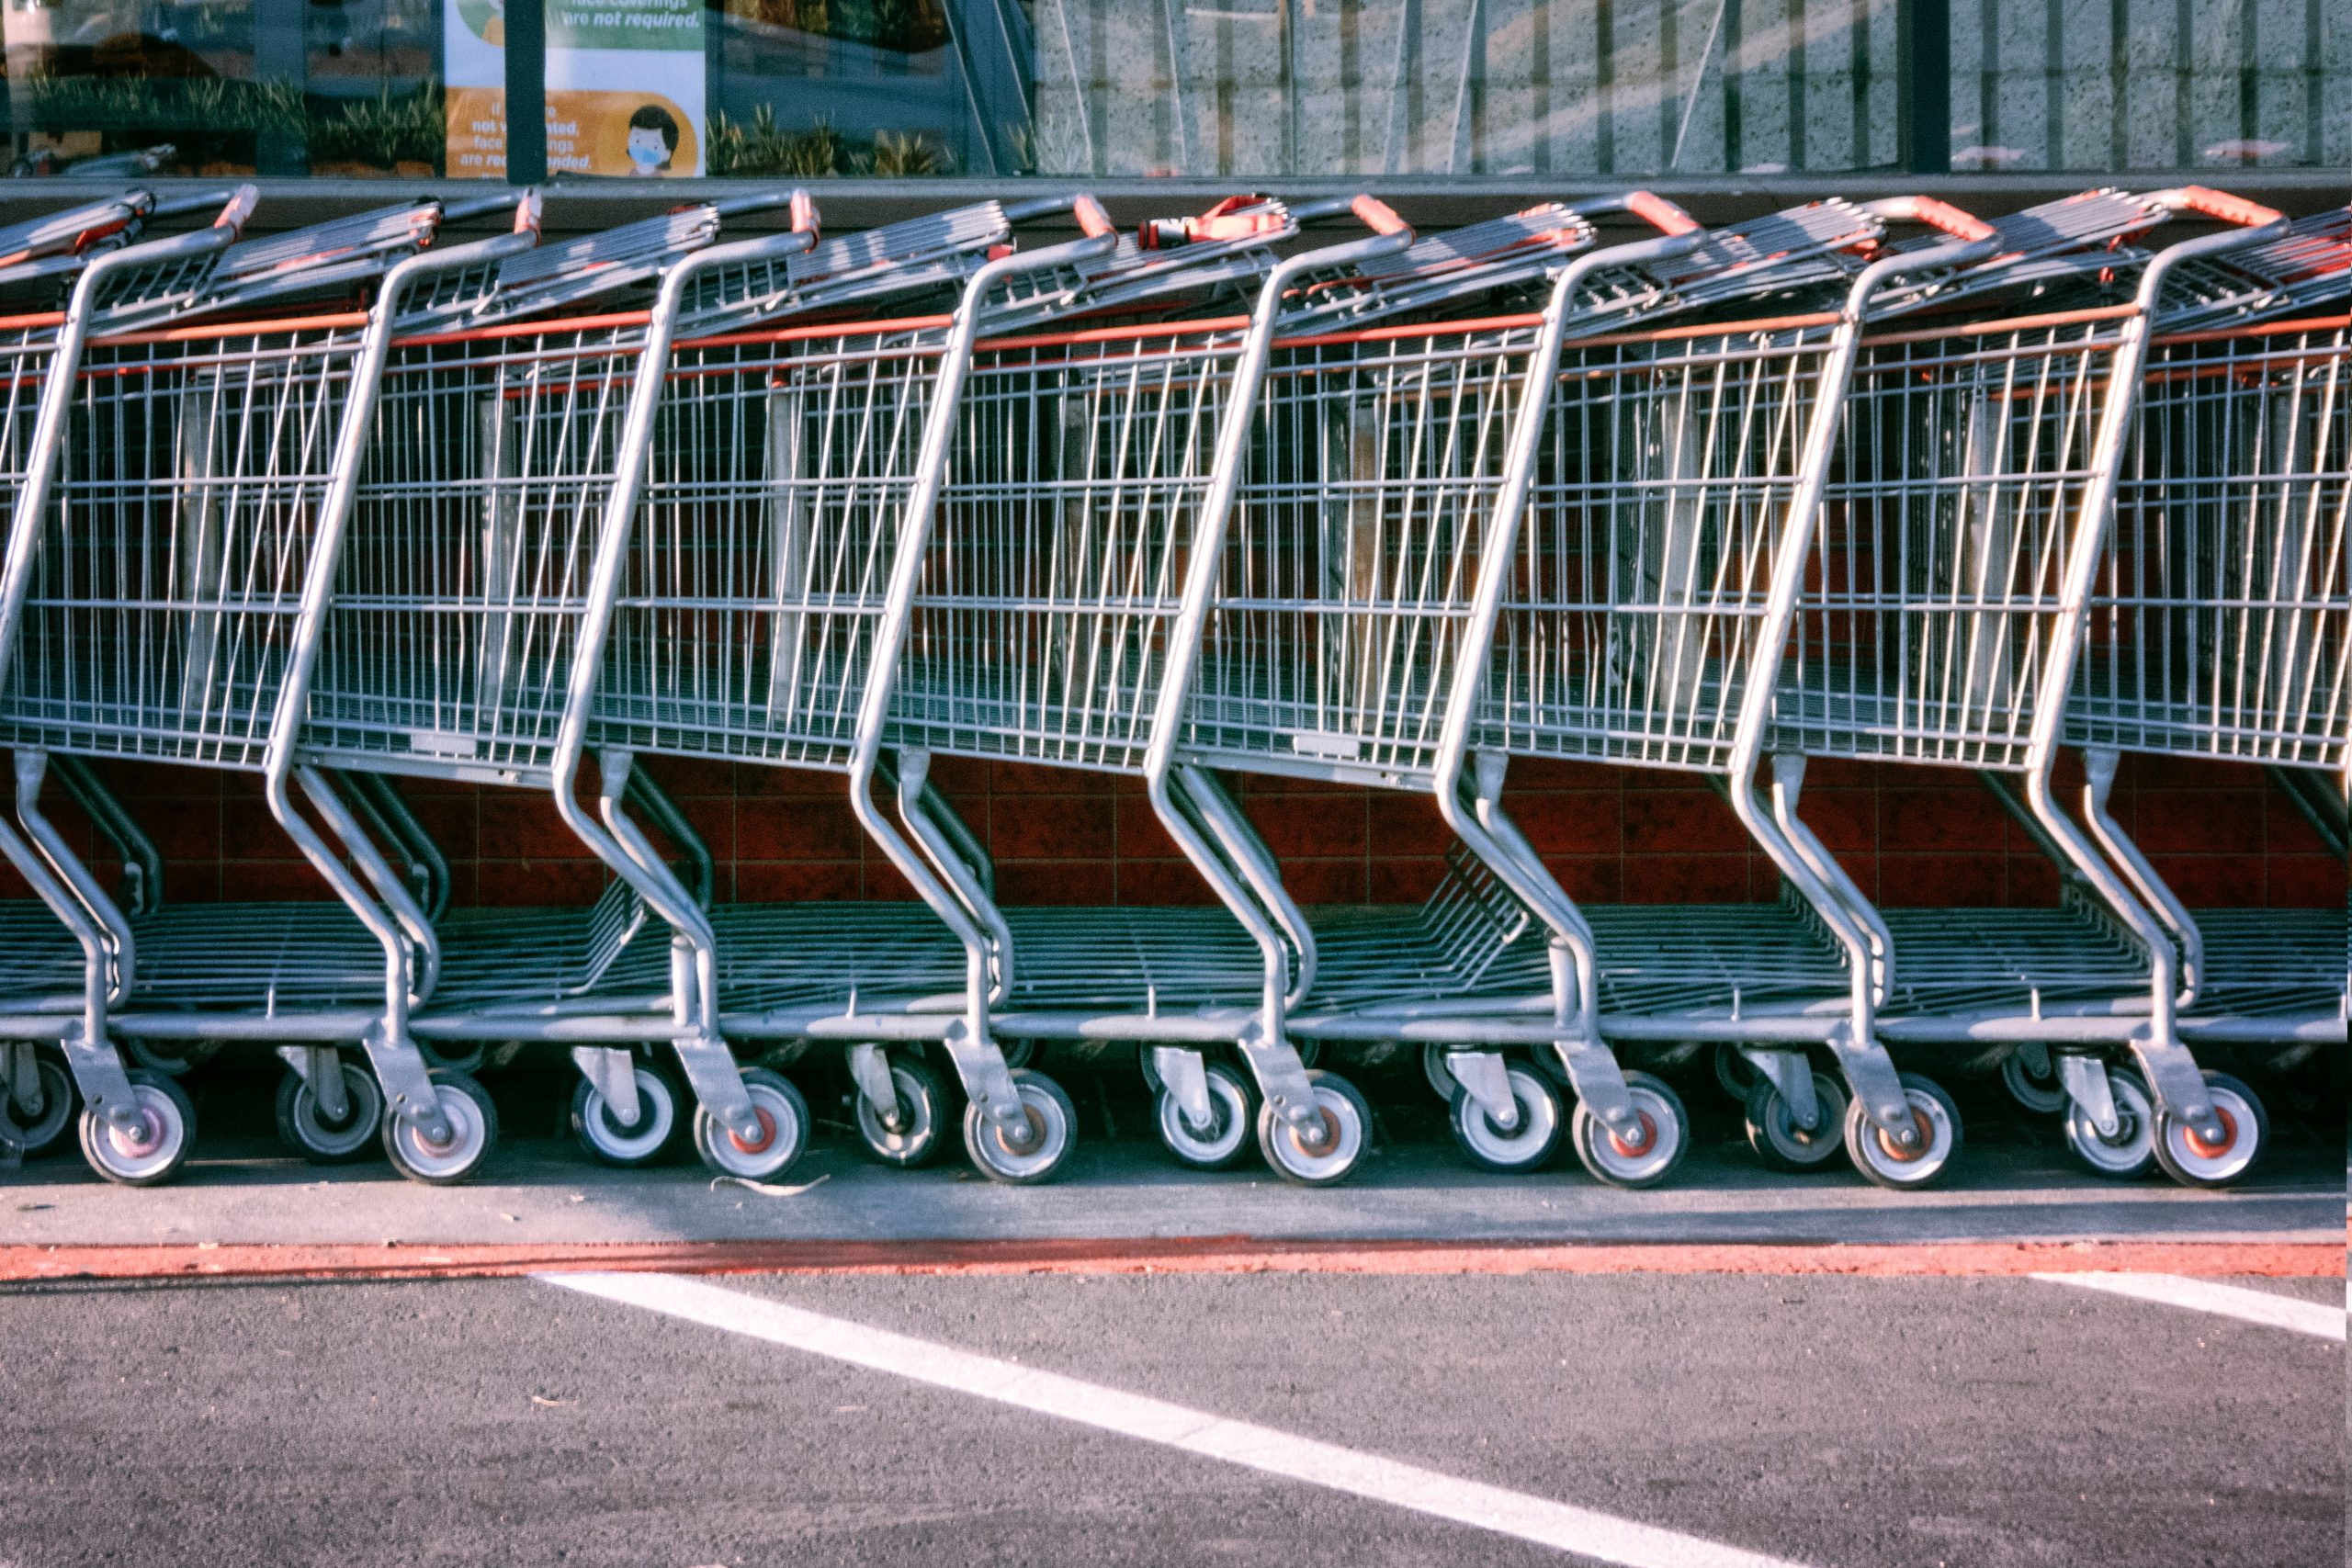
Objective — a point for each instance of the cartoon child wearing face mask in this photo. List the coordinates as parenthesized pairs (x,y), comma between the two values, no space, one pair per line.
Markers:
(653,141)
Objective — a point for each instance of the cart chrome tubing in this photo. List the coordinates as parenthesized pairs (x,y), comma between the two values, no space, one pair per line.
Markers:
(47,865)
(99,911)
(782,457)
(1868,951)
(1386,459)
(57,396)
(1036,625)
(1980,461)
(1284,943)
(985,1075)
(412,950)
(96,1068)
(2218,618)
(615,840)
(2172,1074)
(242,420)
(1483,827)
(458,636)
(2222,614)
(28,344)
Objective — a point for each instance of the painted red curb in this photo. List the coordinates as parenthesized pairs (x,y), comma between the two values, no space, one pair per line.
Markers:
(1219,1255)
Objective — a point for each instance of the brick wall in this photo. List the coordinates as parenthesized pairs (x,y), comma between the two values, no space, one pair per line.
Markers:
(2222,834)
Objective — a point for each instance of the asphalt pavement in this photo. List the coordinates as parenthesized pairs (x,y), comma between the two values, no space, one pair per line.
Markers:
(1426,1366)
(1814,1421)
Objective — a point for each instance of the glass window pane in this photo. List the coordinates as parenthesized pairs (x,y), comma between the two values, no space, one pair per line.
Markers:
(1241,90)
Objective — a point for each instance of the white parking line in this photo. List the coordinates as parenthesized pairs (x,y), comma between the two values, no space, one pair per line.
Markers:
(2316,1318)
(1602,1537)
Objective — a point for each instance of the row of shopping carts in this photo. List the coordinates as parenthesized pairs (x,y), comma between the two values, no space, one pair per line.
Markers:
(371,502)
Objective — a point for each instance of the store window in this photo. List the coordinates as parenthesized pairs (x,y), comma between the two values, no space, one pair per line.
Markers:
(1249,89)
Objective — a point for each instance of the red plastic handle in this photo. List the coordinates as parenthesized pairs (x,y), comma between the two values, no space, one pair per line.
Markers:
(1943,215)
(1378,216)
(804,213)
(1092,222)
(1235,218)
(1660,214)
(241,205)
(528,212)
(81,242)
(2223,207)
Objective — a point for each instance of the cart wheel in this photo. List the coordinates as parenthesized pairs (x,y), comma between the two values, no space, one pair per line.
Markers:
(1221,1143)
(473,1130)
(783,1129)
(2040,1093)
(1017,1053)
(1889,1165)
(1488,1146)
(1735,1072)
(1053,1132)
(1666,1137)
(611,1141)
(2133,1149)
(154,1152)
(1346,1133)
(1779,1142)
(37,1130)
(921,1096)
(2245,1133)
(171,1059)
(450,1057)
(305,1129)
(1433,1068)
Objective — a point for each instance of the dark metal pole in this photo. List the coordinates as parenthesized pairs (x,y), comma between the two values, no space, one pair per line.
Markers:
(281,53)
(526,92)
(1923,43)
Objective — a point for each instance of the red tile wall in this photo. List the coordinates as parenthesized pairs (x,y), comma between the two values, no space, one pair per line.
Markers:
(2222,834)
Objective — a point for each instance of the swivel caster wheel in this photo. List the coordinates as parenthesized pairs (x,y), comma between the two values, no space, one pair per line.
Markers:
(2038,1091)
(171,1059)
(38,1127)
(304,1126)
(1779,1142)
(2245,1131)
(473,1132)
(921,1099)
(2132,1151)
(155,1149)
(1433,1068)
(452,1057)
(1643,1161)
(784,1131)
(1526,1147)
(1219,1144)
(1735,1074)
(1889,1164)
(1035,1155)
(611,1141)
(1328,1150)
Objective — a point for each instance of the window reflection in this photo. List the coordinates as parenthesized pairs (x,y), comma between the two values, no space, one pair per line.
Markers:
(1218,89)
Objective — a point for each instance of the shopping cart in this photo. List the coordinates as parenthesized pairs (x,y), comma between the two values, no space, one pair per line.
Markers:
(1654,581)
(1053,566)
(38,263)
(1960,494)
(2220,621)
(1360,565)
(161,600)
(463,639)
(747,439)
(760,579)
